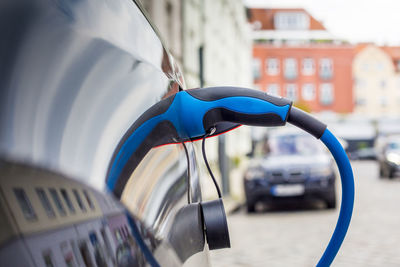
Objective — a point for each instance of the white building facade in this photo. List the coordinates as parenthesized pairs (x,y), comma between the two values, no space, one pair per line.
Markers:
(376,83)
(216,50)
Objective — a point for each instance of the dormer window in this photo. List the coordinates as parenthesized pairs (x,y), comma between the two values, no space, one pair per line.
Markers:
(291,21)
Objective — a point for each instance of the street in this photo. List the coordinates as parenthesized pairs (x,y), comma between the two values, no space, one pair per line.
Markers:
(297,236)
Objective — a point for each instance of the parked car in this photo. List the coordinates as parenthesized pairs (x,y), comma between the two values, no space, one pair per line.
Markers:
(389,158)
(294,167)
(74,77)
(367,153)
(360,136)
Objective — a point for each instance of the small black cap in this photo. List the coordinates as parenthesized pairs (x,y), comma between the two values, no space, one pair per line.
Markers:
(217,232)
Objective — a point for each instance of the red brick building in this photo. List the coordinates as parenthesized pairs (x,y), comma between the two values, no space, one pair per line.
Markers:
(318,77)
(295,57)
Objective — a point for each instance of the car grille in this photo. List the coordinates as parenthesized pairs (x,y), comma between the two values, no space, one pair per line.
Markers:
(287,176)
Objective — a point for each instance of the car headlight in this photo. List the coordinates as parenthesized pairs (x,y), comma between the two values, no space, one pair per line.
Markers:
(319,171)
(394,158)
(254,173)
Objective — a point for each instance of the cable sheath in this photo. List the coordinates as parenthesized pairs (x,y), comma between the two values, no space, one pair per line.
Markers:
(346,208)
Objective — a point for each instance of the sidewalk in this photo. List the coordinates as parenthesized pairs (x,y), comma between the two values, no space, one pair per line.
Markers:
(236,199)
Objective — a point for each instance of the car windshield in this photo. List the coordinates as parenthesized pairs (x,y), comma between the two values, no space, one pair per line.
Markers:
(294,144)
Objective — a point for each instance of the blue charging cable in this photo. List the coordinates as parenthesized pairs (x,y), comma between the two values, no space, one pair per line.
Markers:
(346,208)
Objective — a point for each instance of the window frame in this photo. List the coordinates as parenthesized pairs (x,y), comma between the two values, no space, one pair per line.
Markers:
(88,200)
(275,86)
(323,73)
(58,202)
(25,204)
(304,88)
(79,200)
(308,71)
(272,69)
(67,200)
(290,71)
(295,90)
(322,94)
(45,201)
(257,66)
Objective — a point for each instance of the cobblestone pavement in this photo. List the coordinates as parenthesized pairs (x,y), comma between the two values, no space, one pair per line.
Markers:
(297,237)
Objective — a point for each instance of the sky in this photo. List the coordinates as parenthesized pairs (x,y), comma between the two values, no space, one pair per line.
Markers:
(376,21)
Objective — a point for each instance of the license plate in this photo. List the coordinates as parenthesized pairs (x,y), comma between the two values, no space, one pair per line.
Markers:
(287,190)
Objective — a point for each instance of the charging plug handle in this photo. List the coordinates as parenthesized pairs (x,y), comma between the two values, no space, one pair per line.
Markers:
(188,115)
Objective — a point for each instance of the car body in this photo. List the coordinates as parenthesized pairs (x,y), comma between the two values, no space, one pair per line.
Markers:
(367,153)
(74,77)
(389,157)
(295,167)
(360,137)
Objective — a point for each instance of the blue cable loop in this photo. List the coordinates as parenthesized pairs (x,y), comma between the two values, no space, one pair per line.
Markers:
(346,208)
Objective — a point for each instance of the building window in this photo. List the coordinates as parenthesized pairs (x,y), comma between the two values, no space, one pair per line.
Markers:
(67,200)
(107,241)
(79,200)
(291,21)
(291,91)
(360,83)
(45,202)
(272,66)
(68,254)
(273,89)
(326,94)
(382,84)
(256,68)
(47,258)
(290,71)
(57,201)
(361,101)
(383,101)
(308,92)
(25,204)
(308,67)
(379,66)
(77,255)
(325,68)
(89,201)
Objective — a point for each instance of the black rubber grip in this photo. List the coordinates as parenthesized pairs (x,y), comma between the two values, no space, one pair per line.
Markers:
(306,122)
(215,93)
(217,115)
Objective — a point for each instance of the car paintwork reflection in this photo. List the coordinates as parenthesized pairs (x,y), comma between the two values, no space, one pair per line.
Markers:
(161,180)
(78,84)
(74,76)
(49,220)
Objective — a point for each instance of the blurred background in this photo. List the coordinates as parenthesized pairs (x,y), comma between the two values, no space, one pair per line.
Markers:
(339,60)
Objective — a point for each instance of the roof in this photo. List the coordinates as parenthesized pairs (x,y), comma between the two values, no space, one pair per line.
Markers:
(393,51)
(266,17)
(359,47)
